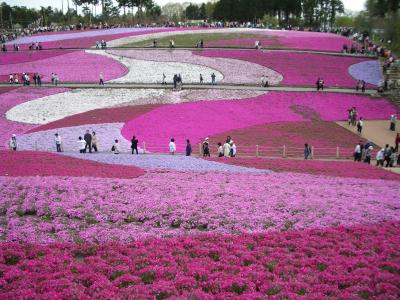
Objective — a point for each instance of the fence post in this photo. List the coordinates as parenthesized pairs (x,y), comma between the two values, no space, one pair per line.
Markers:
(284,151)
(144,148)
(312,151)
(337,153)
(257,151)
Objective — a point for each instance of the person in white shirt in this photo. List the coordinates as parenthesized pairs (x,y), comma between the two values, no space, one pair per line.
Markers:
(57,139)
(115,147)
(357,152)
(380,157)
(172,146)
(82,145)
(101,82)
(227,149)
(360,125)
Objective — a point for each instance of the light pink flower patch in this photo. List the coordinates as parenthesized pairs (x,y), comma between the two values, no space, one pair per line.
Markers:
(77,66)
(201,119)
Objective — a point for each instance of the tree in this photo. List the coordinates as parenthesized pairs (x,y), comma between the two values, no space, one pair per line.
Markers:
(192,12)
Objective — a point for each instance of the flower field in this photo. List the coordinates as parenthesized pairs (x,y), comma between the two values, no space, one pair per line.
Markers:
(159,226)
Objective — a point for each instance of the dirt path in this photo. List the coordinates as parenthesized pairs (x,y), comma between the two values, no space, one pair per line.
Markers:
(375,131)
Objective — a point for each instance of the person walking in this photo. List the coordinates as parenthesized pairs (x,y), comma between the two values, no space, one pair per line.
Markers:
(134,145)
(163,82)
(34,79)
(387,153)
(88,139)
(368,154)
(206,148)
(393,120)
(39,79)
(357,152)
(13,143)
(188,148)
(397,142)
(94,141)
(220,150)
(82,145)
(201,79)
(360,125)
(380,157)
(307,151)
(101,81)
(58,141)
(213,78)
(362,86)
(172,146)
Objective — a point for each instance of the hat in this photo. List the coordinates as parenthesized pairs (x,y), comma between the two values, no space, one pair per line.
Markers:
(206,138)
(13,135)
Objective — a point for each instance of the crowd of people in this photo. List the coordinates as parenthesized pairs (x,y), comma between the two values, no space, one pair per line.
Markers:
(354,119)
(320,84)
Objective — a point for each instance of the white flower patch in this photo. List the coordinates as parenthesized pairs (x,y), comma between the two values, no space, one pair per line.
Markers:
(234,70)
(55,107)
(160,35)
(145,71)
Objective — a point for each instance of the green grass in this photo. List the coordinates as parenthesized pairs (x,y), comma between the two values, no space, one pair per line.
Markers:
(191,40)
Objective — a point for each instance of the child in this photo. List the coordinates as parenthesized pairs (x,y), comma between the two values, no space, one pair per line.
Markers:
(172,146)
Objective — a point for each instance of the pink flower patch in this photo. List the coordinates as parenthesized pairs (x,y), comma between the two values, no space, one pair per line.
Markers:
(26,163)
(297,68)
(77,66)
(198,120)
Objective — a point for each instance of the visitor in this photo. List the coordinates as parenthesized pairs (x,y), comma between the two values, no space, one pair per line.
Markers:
(397,142)
(307,151)
(362,86)
(163,81)
(227,148)
(52,78)
(393,121)
(266,83)
(213,78)
(11,79)
(360,125)
(82,145)
(188,148)
(13,143)
(16,81)
(171,44)
(172,146)
(101,82)
(94,141)
(393,157)
(154,44)
(263,81)
(35,79)
(220,150)
(56,79)
(39,79)
(358,86)
(318,84)
(97,45)
(175,79)
(206,148)
(368,154)
(179,82)
(88,139)
(201,79)
(380,157)
(57,139)
(233,149)
(115,147)
(387,153)
(358,152)
(134,145)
